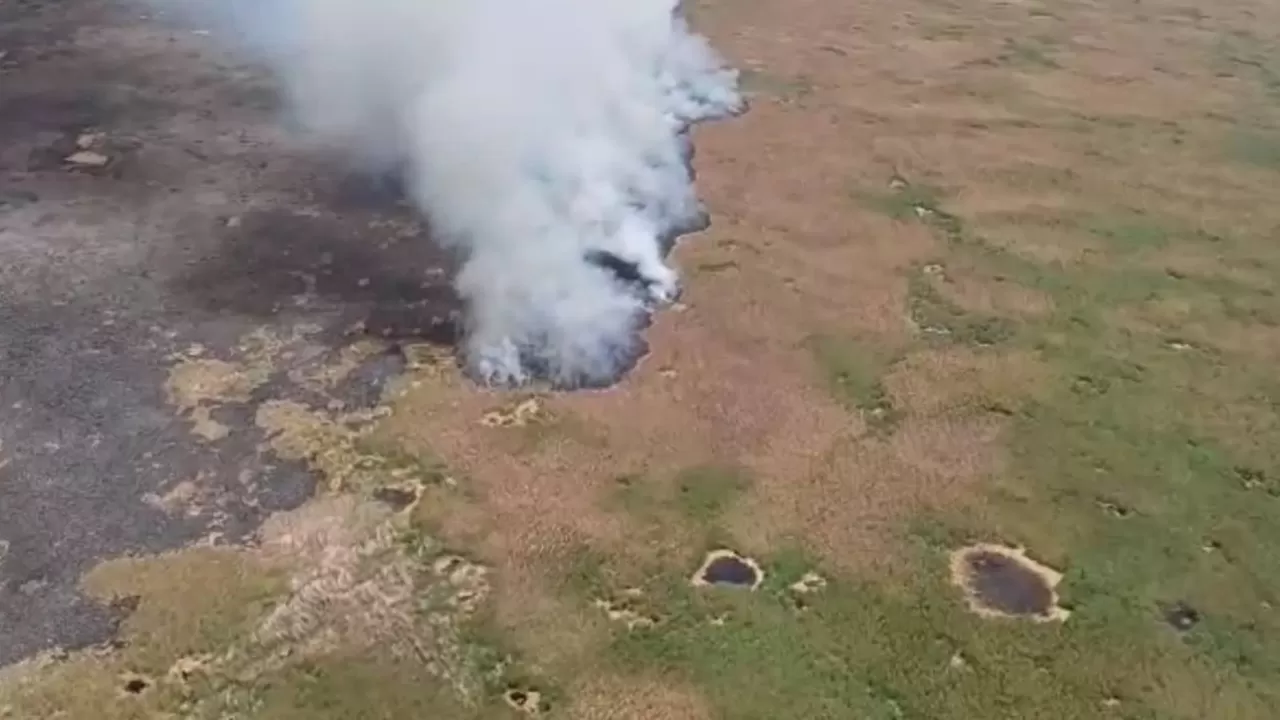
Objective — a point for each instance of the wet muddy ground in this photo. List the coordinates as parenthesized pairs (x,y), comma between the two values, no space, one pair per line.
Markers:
(189,221)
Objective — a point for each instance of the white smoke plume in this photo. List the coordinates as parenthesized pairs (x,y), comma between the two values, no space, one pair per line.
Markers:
(545,140)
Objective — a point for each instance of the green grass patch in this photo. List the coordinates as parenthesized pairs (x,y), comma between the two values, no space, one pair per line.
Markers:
(1132,232)
(353,688)
(939,319)
(913,202)
(875,649)
(1255,148)
(1144,472)
(703,493)
(1128,275)
(905,201)
(1244,55)
(700,494)
(1028,55)
(1117,475)
(853,372)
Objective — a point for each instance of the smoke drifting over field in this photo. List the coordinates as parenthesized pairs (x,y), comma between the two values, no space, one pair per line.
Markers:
(546,140)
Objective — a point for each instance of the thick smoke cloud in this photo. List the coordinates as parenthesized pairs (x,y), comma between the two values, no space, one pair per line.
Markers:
(545,140)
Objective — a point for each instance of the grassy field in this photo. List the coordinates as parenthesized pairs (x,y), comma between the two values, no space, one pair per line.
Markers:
(981,272)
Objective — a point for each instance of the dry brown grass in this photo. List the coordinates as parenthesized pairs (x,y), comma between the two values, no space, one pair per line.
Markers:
(729,379)
(852,498)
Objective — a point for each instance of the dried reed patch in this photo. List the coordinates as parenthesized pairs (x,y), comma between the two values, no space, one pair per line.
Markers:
(846,506)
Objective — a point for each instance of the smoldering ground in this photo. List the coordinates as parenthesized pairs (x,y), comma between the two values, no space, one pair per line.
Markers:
(546,142)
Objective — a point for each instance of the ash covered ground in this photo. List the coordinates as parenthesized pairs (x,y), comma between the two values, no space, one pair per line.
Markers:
(152,202)
(185,217)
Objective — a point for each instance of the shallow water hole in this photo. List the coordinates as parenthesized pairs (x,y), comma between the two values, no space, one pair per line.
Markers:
(395,498)
(135,685)
(1008,586)
(726,568)
(1181,616)
(528,702)
(1000,581)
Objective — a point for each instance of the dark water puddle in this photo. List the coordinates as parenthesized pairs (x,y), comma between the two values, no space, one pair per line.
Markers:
(725,568)
(1009,587)
(1003,582)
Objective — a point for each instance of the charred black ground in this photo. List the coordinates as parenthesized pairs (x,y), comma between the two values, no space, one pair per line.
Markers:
(202,227)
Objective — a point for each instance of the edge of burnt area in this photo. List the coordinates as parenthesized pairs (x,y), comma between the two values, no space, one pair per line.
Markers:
(627,275)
